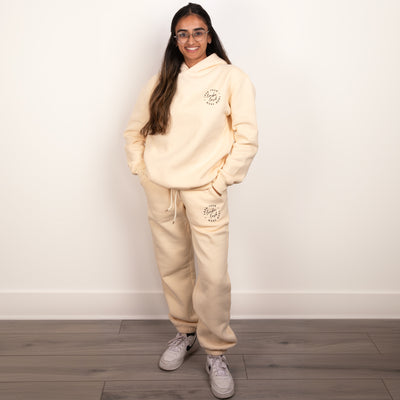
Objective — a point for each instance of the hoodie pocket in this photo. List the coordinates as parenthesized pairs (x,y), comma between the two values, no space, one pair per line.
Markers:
(210,188)
(214,192)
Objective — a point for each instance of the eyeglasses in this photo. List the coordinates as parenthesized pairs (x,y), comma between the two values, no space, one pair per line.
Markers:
(183,37)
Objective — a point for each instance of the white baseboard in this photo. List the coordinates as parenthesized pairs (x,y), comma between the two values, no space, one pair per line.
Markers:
(151,305)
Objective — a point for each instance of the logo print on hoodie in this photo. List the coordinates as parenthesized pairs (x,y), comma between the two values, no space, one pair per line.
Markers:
(212,213)
(212,96)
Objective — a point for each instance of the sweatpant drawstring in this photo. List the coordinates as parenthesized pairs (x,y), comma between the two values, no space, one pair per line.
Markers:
(173,204)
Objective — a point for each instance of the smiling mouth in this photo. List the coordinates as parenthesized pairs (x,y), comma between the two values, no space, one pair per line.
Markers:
(191,48)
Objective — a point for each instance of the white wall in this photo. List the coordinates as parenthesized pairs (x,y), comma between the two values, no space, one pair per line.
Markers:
(315,228)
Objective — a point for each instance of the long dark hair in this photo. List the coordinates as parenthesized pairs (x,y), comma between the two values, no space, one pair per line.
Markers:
(161,98)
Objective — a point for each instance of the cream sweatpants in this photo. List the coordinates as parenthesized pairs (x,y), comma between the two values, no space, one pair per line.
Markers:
(185,223)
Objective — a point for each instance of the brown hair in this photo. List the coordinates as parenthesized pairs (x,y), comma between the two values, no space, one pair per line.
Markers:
(164,92)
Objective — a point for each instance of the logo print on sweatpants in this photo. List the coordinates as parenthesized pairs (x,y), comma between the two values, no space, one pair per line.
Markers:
(212,96)
(212,213)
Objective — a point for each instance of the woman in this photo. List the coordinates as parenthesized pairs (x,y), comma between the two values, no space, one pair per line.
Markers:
(193,133)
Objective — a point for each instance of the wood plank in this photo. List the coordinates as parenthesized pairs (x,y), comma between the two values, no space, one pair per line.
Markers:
(51,390)
(329,389)
(340,389)
(158,390)
(155,343)
(393,385)
(317,325)
(242,325)
(84,344)
(386,342)
(322,366)
(59,326)
(311,343)
(147,326)
(103,368)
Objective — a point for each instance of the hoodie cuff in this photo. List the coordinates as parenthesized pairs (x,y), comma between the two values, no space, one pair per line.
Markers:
(219,184)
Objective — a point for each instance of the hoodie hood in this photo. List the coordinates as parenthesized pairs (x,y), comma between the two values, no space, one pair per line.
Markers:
(210,61)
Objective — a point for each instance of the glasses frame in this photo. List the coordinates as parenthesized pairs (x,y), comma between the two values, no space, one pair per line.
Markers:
(191,34)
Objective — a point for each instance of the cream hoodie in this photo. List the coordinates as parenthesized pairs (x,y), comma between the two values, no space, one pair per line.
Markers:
(212,135)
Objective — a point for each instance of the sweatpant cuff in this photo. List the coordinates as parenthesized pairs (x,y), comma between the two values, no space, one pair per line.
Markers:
(186,329)
(215,352)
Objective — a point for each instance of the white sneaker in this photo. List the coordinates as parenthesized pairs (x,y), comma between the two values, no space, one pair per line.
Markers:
(221,381)
(178,348)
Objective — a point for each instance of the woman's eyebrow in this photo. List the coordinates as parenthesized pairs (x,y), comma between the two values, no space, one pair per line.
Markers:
(195,29)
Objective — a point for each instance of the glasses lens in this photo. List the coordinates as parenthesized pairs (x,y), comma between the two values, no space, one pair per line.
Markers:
(198,35)
(183,36)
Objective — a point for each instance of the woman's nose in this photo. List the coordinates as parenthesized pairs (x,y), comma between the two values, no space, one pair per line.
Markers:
(191,39)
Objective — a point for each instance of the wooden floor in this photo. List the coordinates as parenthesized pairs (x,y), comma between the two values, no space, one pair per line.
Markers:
(274,359)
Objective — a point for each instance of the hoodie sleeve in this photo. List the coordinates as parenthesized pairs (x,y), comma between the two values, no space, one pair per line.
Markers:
(134,141)
(244,126)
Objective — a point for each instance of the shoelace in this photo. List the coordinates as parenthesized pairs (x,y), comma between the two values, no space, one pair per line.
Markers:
(177,342)
(219,365)
(173,204)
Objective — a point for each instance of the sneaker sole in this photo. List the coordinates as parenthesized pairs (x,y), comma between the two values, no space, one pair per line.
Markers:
(173,367)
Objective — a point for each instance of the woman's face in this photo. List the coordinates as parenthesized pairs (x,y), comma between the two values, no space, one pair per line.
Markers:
(192,50)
